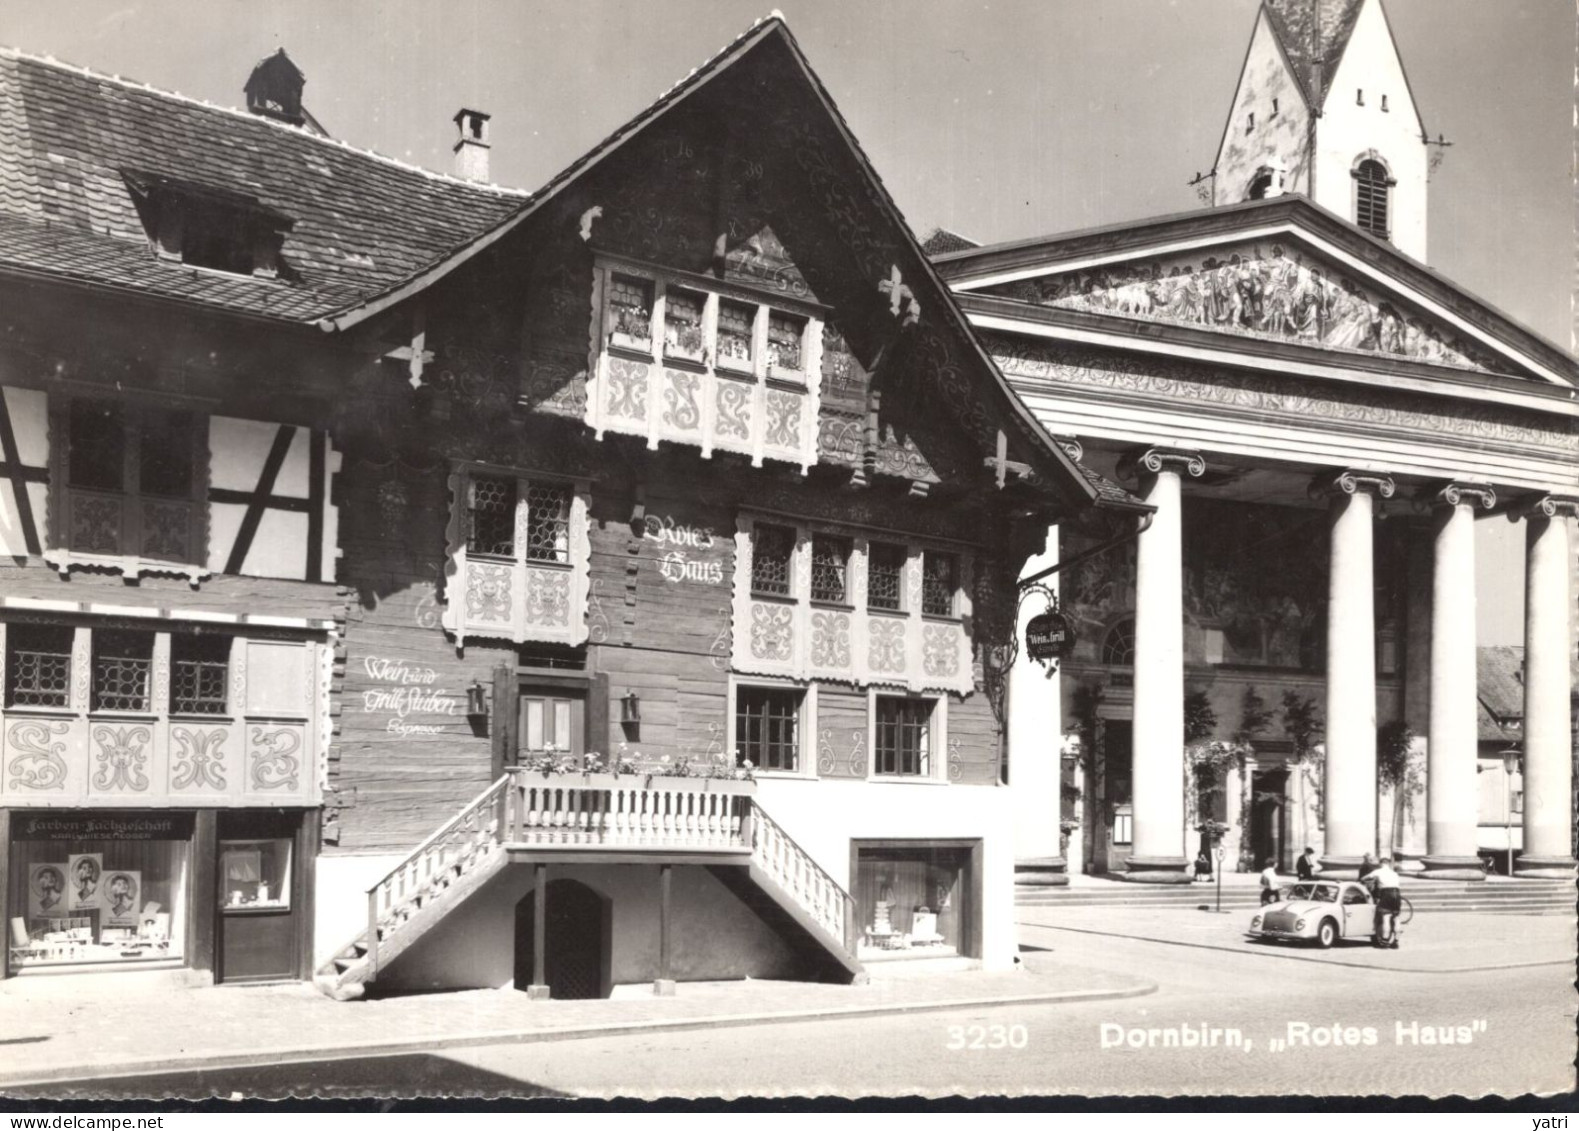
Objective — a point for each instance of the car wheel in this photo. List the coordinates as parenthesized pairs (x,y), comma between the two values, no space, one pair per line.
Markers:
(1326,934)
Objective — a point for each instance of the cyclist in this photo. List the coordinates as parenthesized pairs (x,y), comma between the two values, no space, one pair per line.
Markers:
(1389,901)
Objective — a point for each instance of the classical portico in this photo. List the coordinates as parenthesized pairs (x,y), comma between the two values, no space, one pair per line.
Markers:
(1306,588)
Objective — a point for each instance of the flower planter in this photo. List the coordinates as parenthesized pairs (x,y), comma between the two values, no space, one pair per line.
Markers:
(643,780)
(635,344)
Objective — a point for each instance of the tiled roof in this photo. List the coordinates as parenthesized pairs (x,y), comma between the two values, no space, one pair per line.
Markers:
(942,241)
(1499,685)
(1314,31)
(362,222)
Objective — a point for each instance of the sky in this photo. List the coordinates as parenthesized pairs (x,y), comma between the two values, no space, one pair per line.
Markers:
(999,119)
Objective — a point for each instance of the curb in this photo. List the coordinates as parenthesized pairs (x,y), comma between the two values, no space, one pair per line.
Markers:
(297,1054)
(1292,957)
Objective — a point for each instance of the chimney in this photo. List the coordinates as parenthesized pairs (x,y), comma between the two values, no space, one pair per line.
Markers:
(471,147)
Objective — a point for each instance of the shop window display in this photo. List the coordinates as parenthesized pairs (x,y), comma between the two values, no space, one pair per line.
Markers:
(255,873)
(92,888)
(911,899)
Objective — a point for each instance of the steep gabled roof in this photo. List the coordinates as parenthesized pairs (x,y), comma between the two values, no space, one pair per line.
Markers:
(70,140)
(1313,34)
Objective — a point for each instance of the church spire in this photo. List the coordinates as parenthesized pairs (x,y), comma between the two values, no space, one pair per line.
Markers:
(1323,107)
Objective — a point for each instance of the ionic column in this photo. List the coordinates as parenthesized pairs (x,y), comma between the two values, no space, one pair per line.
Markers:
(1548,773)
(1452,793)
(1158,768)
(1349,793)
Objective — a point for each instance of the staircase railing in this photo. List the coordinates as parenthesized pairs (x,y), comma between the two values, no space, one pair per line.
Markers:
(458,844)
(792,868)
(631,811)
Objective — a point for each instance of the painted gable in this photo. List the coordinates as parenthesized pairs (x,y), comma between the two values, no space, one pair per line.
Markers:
(1269,120)
(1278,290)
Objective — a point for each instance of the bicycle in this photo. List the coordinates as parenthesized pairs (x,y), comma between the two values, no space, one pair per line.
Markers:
(1399,918)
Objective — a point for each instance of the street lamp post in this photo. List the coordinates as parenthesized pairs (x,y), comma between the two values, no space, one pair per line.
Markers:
(1220,852)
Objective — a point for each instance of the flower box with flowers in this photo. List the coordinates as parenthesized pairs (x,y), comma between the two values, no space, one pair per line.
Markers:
(594,771)
(632,330)
(685,342)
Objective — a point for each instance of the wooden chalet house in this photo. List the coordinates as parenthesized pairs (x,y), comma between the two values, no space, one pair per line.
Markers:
(675,510)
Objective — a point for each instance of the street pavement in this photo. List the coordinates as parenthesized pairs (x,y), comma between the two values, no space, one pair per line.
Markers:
(1512,1031)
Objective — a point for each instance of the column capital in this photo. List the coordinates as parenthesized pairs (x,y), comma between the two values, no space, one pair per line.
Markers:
(1452,492)
(1351,482)
(1546,506)
(1156,459)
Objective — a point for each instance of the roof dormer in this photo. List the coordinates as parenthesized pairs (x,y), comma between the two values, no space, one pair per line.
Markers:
(211,228)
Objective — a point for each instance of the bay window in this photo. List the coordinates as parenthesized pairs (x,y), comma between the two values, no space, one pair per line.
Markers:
(520,556)
(813,600)
(714,363)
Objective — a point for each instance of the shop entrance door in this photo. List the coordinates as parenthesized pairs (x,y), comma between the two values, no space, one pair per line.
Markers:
(577,942)
(259,895)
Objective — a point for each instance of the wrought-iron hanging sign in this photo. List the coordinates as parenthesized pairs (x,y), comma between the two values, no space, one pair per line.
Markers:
(1049,635)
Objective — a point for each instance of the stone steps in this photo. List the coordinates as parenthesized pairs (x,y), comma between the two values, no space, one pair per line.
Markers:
(1526,897)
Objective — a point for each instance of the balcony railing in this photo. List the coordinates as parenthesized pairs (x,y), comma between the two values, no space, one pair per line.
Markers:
(631,811)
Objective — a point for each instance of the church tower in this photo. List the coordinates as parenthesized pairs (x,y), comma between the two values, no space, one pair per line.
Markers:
(1323,108)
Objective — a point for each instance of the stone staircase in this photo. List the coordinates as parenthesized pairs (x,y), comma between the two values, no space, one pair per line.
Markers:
(1508,897)
(524,817)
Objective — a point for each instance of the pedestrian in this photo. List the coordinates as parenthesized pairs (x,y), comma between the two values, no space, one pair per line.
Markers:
(1389,900)
(1203,866)
(1367,866)
(1307,867)
(1269,882)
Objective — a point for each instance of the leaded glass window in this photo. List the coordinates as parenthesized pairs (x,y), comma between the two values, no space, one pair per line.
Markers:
(830,565)
(938,581)
(490,502)
(122,663)
(785,334)
(38,665)
(773,549)
(903,739)
(199,674)
(767,727)
(885,571)
(630,306)
(734,332)
(548,523)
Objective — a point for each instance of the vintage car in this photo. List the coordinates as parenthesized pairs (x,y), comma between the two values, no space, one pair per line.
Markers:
(1320,910)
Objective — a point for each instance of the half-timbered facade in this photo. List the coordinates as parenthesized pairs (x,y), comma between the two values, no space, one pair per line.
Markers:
(171,629)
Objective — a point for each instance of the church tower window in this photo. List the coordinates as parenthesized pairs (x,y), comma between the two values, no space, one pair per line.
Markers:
(1372,189)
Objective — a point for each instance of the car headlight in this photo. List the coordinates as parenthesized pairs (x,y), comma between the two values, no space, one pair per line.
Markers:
(1299,924)
(1255,924)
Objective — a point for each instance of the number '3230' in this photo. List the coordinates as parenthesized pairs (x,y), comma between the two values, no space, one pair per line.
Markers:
(972,1037)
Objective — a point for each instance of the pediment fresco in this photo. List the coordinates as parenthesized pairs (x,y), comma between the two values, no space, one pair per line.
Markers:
(1265,289)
